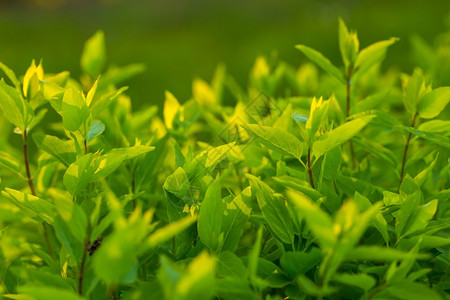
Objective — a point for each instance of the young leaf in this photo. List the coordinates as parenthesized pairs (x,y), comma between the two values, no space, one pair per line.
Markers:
(16,109)
(11,75)
(75,112)
(32,206)
(97,128)
(94,54)
(296,263)
(79,174)
(436,126)
(348,45)
(199,281)
(64,151)
(171,108)
(177,183)
(45,293)
(372,55)
(236,215)
(434,138)
(362,280)
(413,91)
(318,221)
(276,139)
(273,209)
(339,135)
(167,232)
(211,217)
(322,62)
(434,102)
(9,161)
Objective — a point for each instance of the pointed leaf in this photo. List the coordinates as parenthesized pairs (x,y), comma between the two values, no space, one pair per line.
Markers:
(322,62)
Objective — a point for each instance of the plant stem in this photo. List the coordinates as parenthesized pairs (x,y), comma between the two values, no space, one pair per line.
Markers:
(85,147)
(379,289)
(27,164)
(311,180)
(347,114)
(33,190)
(82,263)
(405,152)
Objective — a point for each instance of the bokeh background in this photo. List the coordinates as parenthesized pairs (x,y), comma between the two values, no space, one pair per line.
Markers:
(179,40)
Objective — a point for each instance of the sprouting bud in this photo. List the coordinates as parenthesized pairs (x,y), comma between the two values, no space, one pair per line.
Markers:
(352,47)
(31,79)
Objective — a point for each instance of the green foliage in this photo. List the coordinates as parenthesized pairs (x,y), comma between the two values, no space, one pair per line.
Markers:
(307,187)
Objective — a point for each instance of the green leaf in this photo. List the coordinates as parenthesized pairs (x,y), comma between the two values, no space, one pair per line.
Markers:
(276,139)
(106,164)
(75,112)
(434,138)
(68,240)
(296,263)
(171,109)
(10,162)
(210,218)
(339,135)
(332,163)
(116,259)
(132,152)
(379,222)
(177,183)
(48,293)
(376,253)
(64,151)
(299,185)
(363,281)
(310,288)
(53,93)
(199,281)
(11,75)
(434,102)
(36,120)
(32,206)
(274,210)
(322,62)
(371,55)
(79,174)
(17,111)
(234,289)
(94,54)
(422,216)
(406,290)
(229,265)
(300,118)
(167,232)
(207,160)
(371,102)
(425,174)
(348,45)
(97,128)
(74,218)
(115,75)
(436,126)
(100,104)
(413,90)
(236,215)
(318,221)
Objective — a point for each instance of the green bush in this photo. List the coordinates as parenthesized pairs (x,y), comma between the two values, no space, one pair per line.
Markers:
(327,185)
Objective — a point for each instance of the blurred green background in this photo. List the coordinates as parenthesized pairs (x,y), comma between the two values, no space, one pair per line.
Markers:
(179,40)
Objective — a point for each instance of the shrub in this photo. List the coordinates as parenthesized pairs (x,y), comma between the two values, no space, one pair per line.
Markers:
(314,184)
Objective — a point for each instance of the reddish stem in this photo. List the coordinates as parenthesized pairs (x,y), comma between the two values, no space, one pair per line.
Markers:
(33,190)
